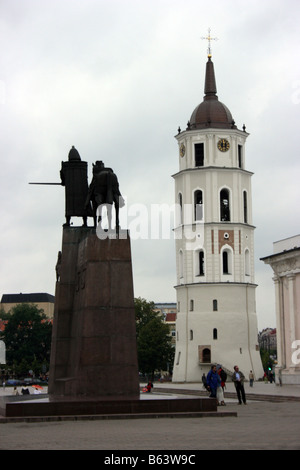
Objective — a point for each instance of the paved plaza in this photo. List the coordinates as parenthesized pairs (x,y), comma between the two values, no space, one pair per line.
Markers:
(261,424)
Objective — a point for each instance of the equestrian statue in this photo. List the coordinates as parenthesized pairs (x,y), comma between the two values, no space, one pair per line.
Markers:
(104,192)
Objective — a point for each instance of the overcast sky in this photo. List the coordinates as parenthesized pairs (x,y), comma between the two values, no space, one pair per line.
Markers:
(115,78)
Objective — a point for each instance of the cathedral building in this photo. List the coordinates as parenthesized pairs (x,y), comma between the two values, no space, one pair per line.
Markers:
(216,312)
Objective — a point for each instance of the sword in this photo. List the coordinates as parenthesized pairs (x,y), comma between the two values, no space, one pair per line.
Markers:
(53,184)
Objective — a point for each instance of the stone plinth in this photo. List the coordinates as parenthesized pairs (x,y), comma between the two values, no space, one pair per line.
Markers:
(110,407)
(93,351)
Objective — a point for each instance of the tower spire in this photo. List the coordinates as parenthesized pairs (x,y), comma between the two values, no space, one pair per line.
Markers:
(211,112)
(210,87)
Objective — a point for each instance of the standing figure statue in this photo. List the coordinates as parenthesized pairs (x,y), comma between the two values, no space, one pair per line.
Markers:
(73,176)
(58,266)
(104,191)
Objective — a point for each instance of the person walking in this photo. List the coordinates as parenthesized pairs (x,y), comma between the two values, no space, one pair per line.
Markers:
(238,379)
(213,381)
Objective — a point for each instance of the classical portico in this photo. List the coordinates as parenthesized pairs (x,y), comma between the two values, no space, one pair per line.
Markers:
(285,263)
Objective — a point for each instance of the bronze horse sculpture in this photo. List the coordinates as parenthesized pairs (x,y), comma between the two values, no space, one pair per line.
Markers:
(104,192)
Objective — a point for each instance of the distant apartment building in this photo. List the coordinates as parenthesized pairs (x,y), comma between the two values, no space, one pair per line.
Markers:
(267,339)
(169,313)
(43,301)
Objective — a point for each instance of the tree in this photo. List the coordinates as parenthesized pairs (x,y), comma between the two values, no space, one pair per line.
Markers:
(153,338)
(3,314)
(266,359)
(27,335)
(144,312)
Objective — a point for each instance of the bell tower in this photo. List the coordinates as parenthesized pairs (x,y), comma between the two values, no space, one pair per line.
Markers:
(216,319)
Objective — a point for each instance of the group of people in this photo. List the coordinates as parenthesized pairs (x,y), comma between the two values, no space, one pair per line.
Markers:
(24,390)
(215,382)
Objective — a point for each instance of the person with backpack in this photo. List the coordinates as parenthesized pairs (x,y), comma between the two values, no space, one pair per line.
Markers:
(223,377)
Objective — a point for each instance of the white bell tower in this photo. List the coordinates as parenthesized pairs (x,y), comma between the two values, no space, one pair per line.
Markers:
(216,320)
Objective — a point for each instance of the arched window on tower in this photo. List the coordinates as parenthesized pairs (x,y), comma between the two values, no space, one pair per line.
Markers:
(240,156)
(247,262)
(224,205)
(227,261)
(245,204)
(180,215)
(199,261)
(198,205)
(180,264)
(199,154)
(215,333)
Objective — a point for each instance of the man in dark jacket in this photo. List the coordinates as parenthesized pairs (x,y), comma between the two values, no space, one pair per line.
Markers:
(238,379)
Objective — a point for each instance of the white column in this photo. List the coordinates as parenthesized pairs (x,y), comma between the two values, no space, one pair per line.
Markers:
(279,324)
(292,332)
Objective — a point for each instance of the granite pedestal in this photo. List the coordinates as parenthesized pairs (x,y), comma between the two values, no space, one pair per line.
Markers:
(93,351)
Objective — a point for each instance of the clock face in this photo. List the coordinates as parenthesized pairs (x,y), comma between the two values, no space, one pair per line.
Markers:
(223,145)
(182,150)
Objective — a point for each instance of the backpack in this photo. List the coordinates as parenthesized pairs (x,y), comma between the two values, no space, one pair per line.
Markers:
(223,375)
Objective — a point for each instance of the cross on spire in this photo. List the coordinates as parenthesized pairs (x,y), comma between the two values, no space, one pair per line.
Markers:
(209,39)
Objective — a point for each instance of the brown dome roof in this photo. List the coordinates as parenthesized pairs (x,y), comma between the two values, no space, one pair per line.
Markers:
(211,112)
